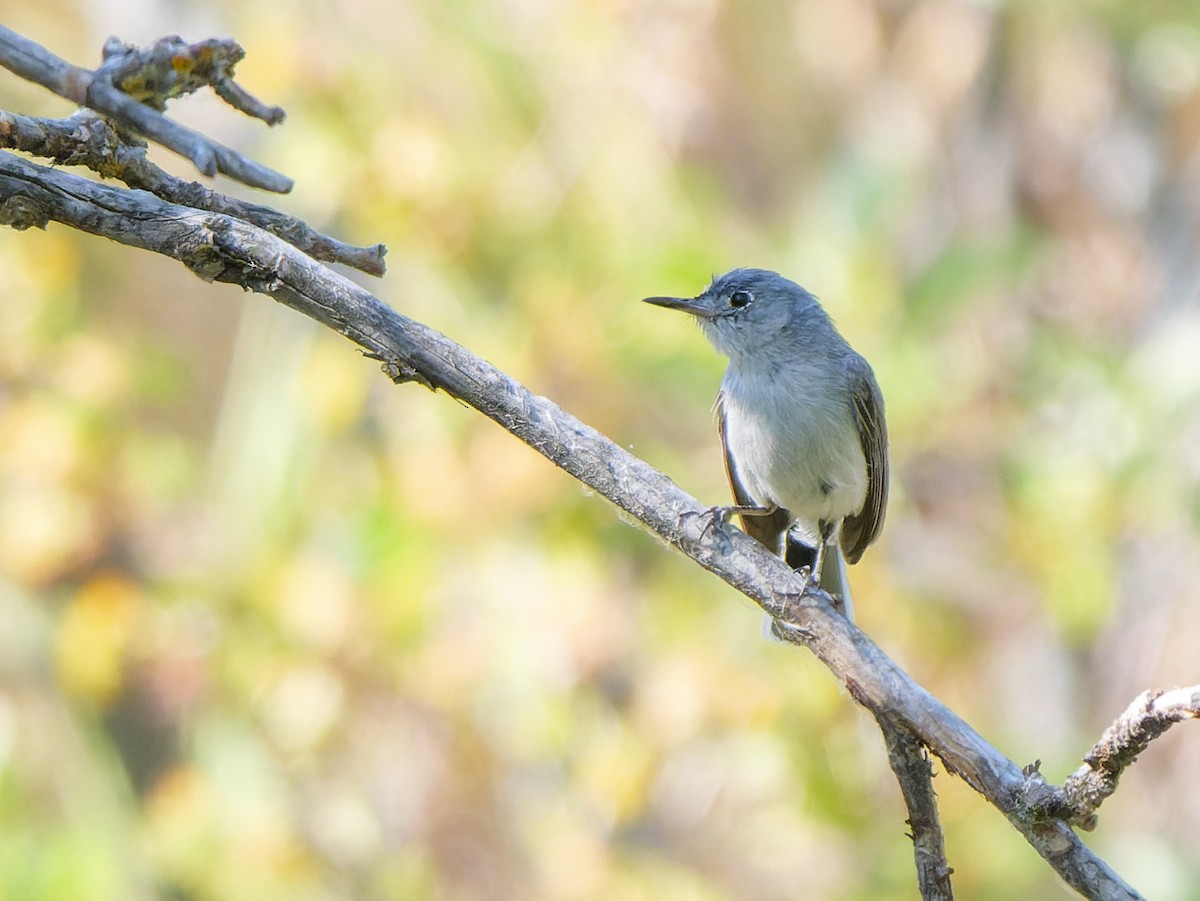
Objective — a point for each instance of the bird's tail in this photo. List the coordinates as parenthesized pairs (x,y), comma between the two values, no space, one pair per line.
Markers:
(834,579)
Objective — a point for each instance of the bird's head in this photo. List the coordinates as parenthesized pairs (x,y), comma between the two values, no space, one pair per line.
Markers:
(745,309)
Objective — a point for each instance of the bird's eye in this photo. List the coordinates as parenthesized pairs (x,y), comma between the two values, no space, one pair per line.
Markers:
(739,299)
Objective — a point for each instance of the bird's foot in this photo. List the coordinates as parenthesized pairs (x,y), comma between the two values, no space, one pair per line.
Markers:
(811,578)
(724,514)
(719,517)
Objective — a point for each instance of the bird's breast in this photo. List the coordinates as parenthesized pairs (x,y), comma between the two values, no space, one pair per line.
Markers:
(794,440)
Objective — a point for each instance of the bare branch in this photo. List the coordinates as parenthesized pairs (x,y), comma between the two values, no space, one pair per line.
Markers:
(914,772)
(222,248)
(1148,717)
(35,63)
(167,70)
(1151,714)
(87,140)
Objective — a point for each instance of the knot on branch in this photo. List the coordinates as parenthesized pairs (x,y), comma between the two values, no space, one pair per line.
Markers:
(400,372)
(233,262)
(88,140)
(173,68)
(21,212)
(1039,801)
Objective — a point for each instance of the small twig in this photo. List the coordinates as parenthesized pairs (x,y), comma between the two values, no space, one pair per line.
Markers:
(151,75)
(1150,715)
(914,771)
(241,99)
(85,139)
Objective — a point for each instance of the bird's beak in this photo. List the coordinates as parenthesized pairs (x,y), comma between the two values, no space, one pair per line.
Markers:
(691,305)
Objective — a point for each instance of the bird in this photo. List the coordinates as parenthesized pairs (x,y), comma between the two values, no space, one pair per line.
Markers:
(801,420)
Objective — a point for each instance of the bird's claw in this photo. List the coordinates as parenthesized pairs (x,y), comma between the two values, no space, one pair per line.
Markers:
(810,576)
(718,518)
(721,515)
(813,580)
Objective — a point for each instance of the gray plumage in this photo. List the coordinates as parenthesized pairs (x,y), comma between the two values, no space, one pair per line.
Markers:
(801,419)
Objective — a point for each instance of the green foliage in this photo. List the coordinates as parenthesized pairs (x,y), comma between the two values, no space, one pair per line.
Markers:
(279,629)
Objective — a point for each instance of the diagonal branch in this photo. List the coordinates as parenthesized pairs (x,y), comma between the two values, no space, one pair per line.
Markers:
(221,248)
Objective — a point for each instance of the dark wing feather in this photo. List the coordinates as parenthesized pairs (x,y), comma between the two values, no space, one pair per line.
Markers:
(861,529)
(767,530)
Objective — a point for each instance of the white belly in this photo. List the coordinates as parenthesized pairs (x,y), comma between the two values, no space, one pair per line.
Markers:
(794,453)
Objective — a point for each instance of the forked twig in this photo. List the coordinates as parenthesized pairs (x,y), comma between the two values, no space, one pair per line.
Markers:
(1151,714)
(132,86)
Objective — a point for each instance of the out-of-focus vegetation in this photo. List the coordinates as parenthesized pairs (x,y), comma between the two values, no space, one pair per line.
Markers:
(273,628)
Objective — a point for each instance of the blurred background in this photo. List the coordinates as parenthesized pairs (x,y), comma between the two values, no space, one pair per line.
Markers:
(275,628)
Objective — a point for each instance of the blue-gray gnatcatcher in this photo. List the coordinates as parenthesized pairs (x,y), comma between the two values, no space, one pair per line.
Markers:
(801,421)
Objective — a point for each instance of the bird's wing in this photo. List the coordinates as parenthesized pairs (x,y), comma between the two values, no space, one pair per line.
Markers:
(864,527)
(767,530)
